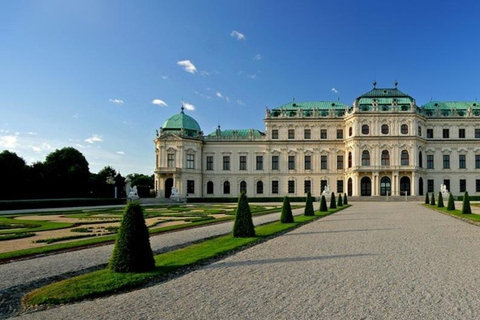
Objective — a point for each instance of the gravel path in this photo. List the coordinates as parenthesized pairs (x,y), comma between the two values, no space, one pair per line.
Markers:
(371,261)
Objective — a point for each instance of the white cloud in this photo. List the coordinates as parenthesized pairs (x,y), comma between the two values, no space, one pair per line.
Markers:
(252,76)
(164,77)
(240,102)
(116,101)
(32,133)
(8,141)
(94,138)
(187,66)
(334,90)
(219,94)
(76,116)
(257,57)
(237,35)
(205,73)
(189,106)
(43,147)
(159,102)
(120,152)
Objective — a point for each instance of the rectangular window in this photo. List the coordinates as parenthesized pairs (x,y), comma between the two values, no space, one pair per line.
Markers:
(477,133)
(190,186)
(446,161)
(463,185)
(307,134)
(430,185)
(171,160)
(209,162)
(461,133)
(446,182)
(243,163)
(226,162)
(190,161)
(419,131)
(429,133)
(323,134)
(307,186)
(275,134)
(477,161)
(275,163)
(275,186)
(446,133)
(291,186)
(339,186)
(323,184)
(323,162)
(477,185)
(461,161)
(291,133)
(339,133)
(308,162)
(340,162)
(291,162)
(429,161)
(259,165)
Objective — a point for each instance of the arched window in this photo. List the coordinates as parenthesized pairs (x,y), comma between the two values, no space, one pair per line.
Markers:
(404,158)
(365,158)
(385,161)
(243,187)
(404,129)
(420,159)
(349,159)
(350,131)
(209,187)
(226,187)
(385,129)
(365,129)
(259,187)
(419,131)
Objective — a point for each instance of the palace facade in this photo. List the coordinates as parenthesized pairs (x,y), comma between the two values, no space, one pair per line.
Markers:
(383,144)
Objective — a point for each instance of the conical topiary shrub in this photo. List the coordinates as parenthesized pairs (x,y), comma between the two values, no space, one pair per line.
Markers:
(466,209)
(339,202)
(427,201)
(243,226)
(432,199)
(132,251)
(287,216)
(345,200)
(333,204)
(323,204)
(451,202)
(440,200)
(309,205)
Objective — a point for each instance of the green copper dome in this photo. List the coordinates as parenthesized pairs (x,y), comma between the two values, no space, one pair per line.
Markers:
(181,121)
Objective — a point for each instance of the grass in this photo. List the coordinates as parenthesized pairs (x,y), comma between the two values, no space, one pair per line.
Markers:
(59,239)
(12,236)
(456,213)
(32,225)
(104,282)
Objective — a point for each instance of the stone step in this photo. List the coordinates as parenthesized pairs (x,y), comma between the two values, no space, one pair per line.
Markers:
(384,198)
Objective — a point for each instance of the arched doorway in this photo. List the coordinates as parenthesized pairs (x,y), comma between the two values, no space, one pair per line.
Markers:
(168,187)
(420,186)
(209,187)
(349,187)
(385,186)
(365,187)
(405,186)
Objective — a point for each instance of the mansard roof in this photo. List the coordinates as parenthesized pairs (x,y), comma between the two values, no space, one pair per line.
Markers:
(311,105)
(459,105)
(237,132)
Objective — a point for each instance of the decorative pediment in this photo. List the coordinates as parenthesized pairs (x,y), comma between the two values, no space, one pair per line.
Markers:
(446,150)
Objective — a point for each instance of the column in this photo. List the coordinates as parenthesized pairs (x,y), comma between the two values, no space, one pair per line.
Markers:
(375,184)
(414,185)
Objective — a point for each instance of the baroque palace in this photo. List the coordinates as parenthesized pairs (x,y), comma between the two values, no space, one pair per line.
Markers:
(384,144)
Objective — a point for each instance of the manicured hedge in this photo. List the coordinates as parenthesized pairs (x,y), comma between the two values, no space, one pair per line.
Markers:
(57,203)
(472,198)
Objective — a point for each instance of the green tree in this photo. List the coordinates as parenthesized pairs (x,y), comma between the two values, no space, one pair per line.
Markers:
(345,200)
(333,204)
(440,200)
(323,204)
(466,209)
(13,174)
(309,205)
(339,202)
(451,202)
(427,200)
(243,225)
(432,199)
(132,251)
(286,216)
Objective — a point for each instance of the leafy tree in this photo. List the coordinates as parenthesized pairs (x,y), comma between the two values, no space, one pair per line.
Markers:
(440,200)
(339,202)
(333,205)
(286,216)
(427,200)
(323,204)
(309,211)
(451,202)
(432,199)
(13,174)
(466,209)
(243,226)
(142,180)
(132,251)
(345,200)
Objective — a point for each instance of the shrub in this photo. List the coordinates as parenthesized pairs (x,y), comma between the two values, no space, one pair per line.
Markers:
(287,216)
(345,200)
(451,202)
(309,205)
(432,199)
(427,200)
(440,200)
(132,251)
(339,202)
(323,204)
(466,209)
(243,226)
(333,205)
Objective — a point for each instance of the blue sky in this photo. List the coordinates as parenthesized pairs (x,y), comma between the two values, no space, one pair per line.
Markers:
(86,73)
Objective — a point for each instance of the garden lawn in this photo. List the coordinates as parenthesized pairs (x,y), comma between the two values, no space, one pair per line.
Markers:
(456,213)
(104,282)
